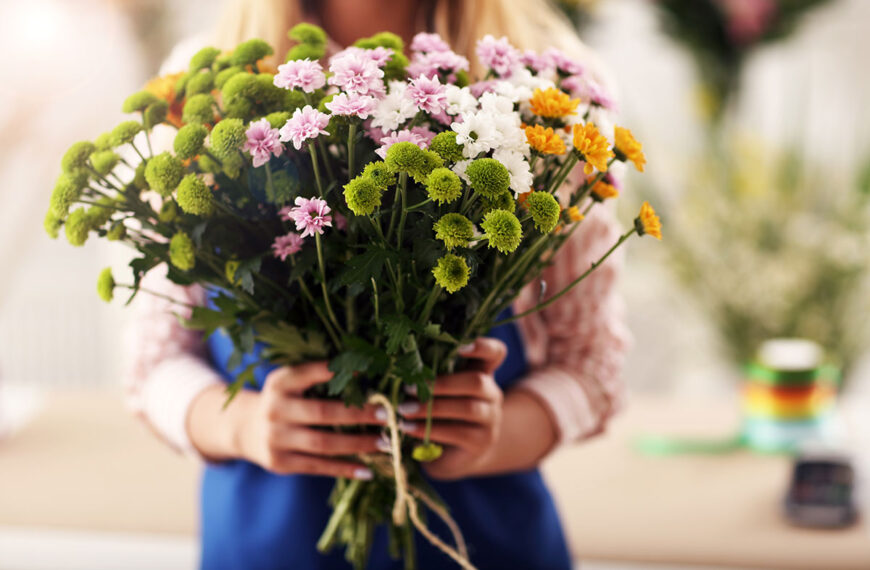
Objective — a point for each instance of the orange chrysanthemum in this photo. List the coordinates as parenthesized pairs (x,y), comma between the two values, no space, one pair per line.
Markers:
(164,88)
(627,148)
(593,146)
(522,198)
(574,214)
(647,222)
(545,140)
(552,103)
(602,191)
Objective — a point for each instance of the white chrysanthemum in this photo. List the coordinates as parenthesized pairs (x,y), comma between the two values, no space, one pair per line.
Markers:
(460,167)
(460,101)
(394,109)
(601,117)
(515,162)
(477,133)
(496,104)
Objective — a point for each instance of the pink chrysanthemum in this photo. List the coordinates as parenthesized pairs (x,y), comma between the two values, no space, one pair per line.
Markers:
(352,105)
(433,63)
(340,222)
(284,246)
(262,142)
(537,63)
(357,71)
(311,215)
(306,123)
(588,90)
(497,54)
(424,42)
(300,74)
(428,94)
(562,62)
(405,135)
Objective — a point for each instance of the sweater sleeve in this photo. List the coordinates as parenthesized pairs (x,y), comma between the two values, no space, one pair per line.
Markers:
(577,344)
(166,366)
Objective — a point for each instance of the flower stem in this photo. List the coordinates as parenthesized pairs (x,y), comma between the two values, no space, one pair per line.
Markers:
(338,513)
(313,152)
(404,187)
(551,300)
(329,310)
(351,147)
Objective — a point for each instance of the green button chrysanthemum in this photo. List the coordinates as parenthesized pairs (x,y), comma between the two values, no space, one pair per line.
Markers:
(198,109)
(67,190)
(189,140)
(545,211)
(410,159)
(445,145)
(181,253)
(103,141)
(503,230)
(443,185)
(138,102)
(163,173)
(380,174)
(227,137)
(201,82)
(363,195)
(77,227)
(451,273)
(194,196)
(104,161)
(106,285)
(168,212)
(224,75)
(52,224)
(305,51)
(488,177)
(117,232)
(455,230)
(306,33)
(250,52)
(204,58)
(155,114)
(395,69)
(278,119)
(76,157)
(139,177)
(382,39)
(504,201)
(124,133)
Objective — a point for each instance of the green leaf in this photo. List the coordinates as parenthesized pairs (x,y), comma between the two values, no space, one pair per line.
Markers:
(246,376)
(287,344)
(208,320)
(433,331)
(245,273)
(361,268)
(397,328)
(358,357)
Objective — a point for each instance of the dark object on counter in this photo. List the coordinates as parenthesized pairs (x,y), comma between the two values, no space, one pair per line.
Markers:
(821,492)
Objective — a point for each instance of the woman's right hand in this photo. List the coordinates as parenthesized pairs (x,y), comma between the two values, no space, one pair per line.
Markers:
(281,430)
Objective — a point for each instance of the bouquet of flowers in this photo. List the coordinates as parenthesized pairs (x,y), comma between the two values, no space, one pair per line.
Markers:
(379,213)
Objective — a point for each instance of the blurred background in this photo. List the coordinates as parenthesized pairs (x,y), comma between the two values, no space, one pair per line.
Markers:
(754,120)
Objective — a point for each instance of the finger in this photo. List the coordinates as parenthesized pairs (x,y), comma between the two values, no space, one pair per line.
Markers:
(311,465)
(316,442)
(465,436)
(298,378)
(471,410)
(474,383)
(489,352)
(313,412)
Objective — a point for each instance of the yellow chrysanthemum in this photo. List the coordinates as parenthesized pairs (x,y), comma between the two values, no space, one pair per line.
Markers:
(647,222)
(545,140)
(164,88)
(593,146)
(603,191)
(552,103)
(628,147)
(574,214)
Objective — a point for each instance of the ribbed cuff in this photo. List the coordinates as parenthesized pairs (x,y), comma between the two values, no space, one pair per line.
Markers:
(168,393)
(567,402)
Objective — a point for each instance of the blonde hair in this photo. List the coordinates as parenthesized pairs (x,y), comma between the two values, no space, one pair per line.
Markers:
(529,24)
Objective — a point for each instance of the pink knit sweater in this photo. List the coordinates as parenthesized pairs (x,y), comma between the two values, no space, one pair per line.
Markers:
(575,347)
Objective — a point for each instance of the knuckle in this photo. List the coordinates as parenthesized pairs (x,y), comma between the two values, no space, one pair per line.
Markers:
(273,436)
(478,409)
(318,410)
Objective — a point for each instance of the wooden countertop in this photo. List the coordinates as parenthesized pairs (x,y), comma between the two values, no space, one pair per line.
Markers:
(83,463)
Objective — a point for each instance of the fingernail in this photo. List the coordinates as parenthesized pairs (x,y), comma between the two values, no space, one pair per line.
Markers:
(381,414)
(363,473)
(408,408)
(383,444)
(407,426)
(466,348)
(411,390)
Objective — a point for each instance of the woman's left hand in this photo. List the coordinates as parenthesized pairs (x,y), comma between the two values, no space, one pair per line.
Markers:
(466,412)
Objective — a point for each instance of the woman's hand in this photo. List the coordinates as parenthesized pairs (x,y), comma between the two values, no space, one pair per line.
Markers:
(276,428)
(466,413)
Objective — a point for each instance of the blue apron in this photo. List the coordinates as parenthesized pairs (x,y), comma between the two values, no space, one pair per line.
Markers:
(252,519)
